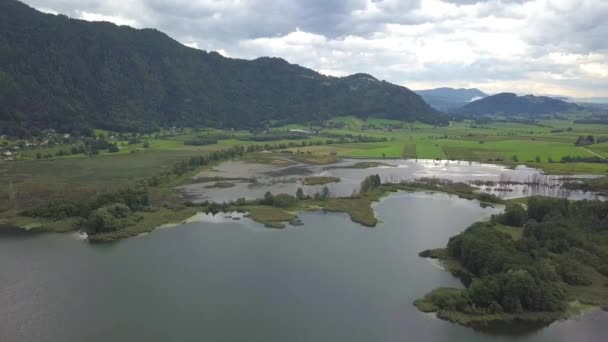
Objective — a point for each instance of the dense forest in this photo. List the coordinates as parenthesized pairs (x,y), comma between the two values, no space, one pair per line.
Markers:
(511,104)
(68,74)
(531,259)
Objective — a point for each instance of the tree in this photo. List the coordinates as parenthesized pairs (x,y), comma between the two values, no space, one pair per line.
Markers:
(582,140)
(300,194)
(376,182)
(515,215)
(268,198)
(538,208)
(108,218)
(283,200)
(369,183)
(325,193)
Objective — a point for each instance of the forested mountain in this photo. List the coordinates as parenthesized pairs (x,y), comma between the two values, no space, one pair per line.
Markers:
(450,99)
(511,104)
(71,74)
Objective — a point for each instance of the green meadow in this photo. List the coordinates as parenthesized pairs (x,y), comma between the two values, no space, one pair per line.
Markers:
(534,145)
(541,145)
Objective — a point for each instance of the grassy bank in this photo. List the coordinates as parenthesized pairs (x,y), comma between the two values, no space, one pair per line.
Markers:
(149,221)
(488,321)
(358,208)
(269,216)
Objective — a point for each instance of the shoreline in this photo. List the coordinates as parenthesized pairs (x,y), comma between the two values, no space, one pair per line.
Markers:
(512,323)
(360,210)
(495,261)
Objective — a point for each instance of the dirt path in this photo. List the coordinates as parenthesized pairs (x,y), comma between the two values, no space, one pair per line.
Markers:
(595,154)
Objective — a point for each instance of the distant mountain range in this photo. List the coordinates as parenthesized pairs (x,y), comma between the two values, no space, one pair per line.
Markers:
(511,104)
(68,74)
(596,100)
(449,99)
(591,103)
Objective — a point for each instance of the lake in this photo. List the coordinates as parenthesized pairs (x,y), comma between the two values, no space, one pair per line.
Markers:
(216,279)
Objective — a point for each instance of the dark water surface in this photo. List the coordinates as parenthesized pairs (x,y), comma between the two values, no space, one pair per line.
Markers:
(221,280)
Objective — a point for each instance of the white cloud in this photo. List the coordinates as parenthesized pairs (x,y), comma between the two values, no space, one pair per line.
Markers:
(118,20)
(47,10)
(595,70)
(193,45)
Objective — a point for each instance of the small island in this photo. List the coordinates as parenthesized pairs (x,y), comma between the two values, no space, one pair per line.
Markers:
(320,180)
(539,261)
(220,185)
(360,165)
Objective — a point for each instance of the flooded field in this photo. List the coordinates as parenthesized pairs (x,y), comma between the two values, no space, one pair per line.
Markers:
(252,180)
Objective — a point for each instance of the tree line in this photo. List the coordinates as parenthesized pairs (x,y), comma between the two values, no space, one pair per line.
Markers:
(560,241)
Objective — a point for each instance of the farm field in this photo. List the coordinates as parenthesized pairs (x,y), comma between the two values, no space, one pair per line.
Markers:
(535,145)
(541,145)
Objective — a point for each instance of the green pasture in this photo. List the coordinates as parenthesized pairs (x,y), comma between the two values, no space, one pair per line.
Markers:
(461,140)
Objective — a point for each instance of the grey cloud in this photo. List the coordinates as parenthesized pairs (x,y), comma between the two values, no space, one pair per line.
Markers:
(246,19)
(470,2)
(581,27)
(565,26)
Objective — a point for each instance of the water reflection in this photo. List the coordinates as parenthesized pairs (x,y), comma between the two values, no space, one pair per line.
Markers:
(218,278)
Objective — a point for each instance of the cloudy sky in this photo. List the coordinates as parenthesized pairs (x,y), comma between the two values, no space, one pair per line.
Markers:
(537,46)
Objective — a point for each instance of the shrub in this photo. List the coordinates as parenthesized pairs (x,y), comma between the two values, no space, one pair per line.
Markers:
(283,200)
(515,215)
(108,218)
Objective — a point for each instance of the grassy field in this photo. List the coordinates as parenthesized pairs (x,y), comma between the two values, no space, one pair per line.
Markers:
(34,181)
(540,145)
(536,145)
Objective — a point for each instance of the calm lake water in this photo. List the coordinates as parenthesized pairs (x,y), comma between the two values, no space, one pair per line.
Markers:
(216,279)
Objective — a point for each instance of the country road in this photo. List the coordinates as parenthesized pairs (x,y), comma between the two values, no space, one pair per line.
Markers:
(595,154)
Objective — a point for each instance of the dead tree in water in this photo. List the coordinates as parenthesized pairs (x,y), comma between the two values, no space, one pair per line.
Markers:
(12,193)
